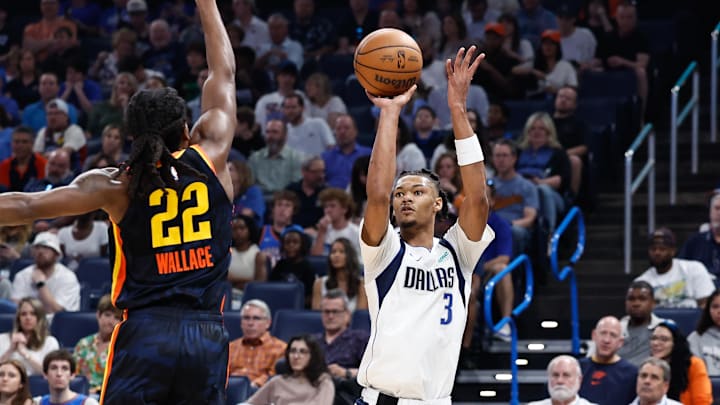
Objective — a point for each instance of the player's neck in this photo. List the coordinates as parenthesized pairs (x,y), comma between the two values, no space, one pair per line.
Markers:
(418,237)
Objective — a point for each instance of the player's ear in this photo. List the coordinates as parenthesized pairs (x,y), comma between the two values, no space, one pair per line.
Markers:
(438,204)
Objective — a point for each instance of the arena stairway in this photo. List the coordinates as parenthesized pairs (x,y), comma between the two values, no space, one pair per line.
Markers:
(601,281)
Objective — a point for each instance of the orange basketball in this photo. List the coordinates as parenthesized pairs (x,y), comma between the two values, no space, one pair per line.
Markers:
(388,62)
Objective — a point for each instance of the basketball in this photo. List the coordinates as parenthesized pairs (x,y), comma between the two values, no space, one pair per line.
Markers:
(388,62)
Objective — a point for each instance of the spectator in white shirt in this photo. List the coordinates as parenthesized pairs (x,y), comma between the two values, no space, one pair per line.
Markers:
(578,44)
(280,48)
(311,136)
(255,29)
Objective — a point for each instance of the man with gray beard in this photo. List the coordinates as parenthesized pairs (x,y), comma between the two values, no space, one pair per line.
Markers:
(564,378)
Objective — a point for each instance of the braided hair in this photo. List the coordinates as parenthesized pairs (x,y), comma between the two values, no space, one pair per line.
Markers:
(435,180)
(156,121)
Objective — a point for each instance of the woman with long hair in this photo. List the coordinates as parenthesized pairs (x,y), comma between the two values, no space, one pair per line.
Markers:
(549,70)
(247,196)
(454,36)
(247,262)
(24,87)
(689,381)
(447,169)
(519,49)
(323,103)
(305,381)
(705,339)
(14,387)
(294,265)
(344,273)
(356,188)
(111,111)
(29,340)
(112,142)
(105,67)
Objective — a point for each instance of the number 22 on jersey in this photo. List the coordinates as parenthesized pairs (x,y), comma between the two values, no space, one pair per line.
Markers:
(189,231)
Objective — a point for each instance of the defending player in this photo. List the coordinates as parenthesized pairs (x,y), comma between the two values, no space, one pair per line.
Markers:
(170,205)
(417,285)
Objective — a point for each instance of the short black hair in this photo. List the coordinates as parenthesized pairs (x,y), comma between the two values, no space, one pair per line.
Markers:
(59,355)
(435,180)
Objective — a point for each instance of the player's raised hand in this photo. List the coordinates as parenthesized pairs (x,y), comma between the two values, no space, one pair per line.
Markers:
(398,101)
(460,73)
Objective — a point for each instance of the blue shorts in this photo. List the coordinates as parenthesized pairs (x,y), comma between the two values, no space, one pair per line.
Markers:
(164,355)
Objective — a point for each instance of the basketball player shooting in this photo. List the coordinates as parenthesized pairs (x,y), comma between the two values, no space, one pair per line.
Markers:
(170,205)
(417,285)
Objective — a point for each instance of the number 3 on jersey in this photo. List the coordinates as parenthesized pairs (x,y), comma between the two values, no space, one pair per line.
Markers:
(447,318)
(191,232)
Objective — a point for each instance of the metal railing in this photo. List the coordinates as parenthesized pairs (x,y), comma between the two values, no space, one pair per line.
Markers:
(714,62)
(568,271)
(631,186)
(676,119)
(510,320)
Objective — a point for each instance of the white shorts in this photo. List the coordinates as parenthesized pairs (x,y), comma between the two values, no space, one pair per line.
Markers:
(370,395)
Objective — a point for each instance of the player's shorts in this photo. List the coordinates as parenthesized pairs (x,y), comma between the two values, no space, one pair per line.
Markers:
(164,355)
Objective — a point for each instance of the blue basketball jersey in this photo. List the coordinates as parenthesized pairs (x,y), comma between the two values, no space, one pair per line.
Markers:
(173,246)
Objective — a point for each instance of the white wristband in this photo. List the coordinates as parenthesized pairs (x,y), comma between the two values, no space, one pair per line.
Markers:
(468,151)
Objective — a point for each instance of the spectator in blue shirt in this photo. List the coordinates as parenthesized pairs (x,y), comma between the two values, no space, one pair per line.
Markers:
(705,246)
(533,19)
(340,159)
(34,114)
(77,89)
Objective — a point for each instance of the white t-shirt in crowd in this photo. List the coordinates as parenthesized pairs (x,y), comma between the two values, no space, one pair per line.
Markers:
(311,137)
(88,247)
(680,287)
(63,285)
(579,46)
(38,355)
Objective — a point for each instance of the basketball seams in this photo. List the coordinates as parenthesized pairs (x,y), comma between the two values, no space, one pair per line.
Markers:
(387,70)
(358,53)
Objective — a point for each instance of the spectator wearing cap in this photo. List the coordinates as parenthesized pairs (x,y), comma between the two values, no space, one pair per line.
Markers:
(137,22)
(677,283)
(704,246)
(255,29)
(23,165)
(269,106)
(549,70)
(47,279)
(578,44)
(34,115)
(294,265)
(59,132)
(39,37)
(533,19)
(280,48)
(478,15)
(494,73)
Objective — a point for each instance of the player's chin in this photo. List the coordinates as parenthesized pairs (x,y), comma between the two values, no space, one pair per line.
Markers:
(407,223)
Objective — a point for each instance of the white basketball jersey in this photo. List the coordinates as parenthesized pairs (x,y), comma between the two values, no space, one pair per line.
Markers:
(418,301)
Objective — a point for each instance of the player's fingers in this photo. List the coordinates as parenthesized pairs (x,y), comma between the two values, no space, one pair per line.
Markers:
(476,63)
(469,55)
(409,93)
(448,67)
(459,57)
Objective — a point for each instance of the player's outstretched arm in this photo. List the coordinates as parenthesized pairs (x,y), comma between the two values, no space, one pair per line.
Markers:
(474,210)
(381,171)
(216,125)
(93,190)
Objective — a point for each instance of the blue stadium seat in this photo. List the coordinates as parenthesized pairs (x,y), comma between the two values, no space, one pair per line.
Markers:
(238,389)
(69,327)
(360,320)
(685,318)
(276,295)
(598,113)
(232,324)
(289,323)
(18,265)
(614,83)
(6,322)
(39,385)
(520,110)
(7,307)
(95,272)
(319,264)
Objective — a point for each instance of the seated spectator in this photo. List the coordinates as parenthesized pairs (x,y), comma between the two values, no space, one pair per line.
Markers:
(533,19)
(421,20)
(323,103)
(47,279)
(59,369)
(339,160)
(311,136)
(336,222)
(543,161)
(247,262)
(164,54)
(343,347)
(111,111)
(653,382)
(65,50)
(638,323)
(517,48)
(34,115)
(448,143)
(111,146)
(454,36)
(409,156)
(13,241)
(135,66)
(248,138)
(578,43)
(689,381)
(498,115)
(307,190)
(572,133)
(38,36)
(316,34)
(478,15)
(516,198)
(29,340)
(425,136)
(91,351)
(343,274)
(254,354)
(17,389)
(105,67)
(85,15)
(58,172)
(23,165)
(433,75)
(248,198)
(678,283)
(564,378)
(283,205)
(255,29)
(294,266)
(276,165)
(705,246)
(306,380)
(78,90)
(549,71)
(357,187)
(9,38)
(85,237)
(359,20)
(494,73)
(268,107)
(281,48)
(608,379)
(596,17)
(59,132)
(705,340)
(23,88)
(195,62)
(448,172)
(10,112)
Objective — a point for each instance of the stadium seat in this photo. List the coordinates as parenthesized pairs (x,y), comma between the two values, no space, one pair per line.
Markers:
(276,295)
(18,265)
(95,272)
(319,265)
(660,35)
(232,324)
(6,322)
(238,389)
(520,110)
(598,113)
(360,319)
(289,323)
(69,327)
(685,318)
(7,307)
(39,385)
(615,83)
